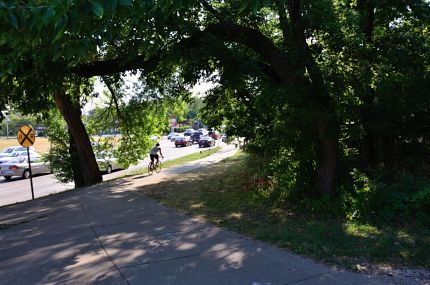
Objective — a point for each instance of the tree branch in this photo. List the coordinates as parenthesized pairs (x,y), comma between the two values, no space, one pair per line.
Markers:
(113,66)
(211,9)
(115,100)
(229,32)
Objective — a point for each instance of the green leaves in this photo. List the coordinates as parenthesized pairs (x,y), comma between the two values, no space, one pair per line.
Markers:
(47,14)
(125,2)
(244,6)
(97,9)
(13,20)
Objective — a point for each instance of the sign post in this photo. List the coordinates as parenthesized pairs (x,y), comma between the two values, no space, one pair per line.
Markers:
(26,138)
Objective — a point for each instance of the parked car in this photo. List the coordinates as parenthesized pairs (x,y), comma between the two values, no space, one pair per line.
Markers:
(195,137)
(224,138)
(169,136)
(206,141)
(203,131)
(183,141)
(16,154)
(174,137)
(9,151)
(188,132)
(214,134)
(107,162)
(19,167)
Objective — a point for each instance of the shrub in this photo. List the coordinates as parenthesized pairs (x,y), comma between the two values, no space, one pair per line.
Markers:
(388,196)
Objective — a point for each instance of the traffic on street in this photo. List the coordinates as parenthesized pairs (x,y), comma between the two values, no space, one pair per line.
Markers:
(17,188)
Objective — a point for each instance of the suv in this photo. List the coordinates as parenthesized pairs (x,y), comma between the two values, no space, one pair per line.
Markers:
(195,137)
(206,141)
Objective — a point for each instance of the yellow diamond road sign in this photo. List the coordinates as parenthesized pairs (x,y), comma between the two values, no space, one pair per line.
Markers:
(26,136)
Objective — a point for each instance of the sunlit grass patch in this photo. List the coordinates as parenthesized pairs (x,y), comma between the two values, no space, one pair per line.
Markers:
(218,195)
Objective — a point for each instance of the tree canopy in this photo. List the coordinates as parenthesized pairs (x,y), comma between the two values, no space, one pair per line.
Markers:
(319,84)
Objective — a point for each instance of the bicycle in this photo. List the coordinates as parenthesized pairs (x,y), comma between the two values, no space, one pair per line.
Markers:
(151,167)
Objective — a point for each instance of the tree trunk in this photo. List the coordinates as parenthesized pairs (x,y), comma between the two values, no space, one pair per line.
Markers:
(328,150)
(326,125)
(368,141)
(76,166)
(89,170)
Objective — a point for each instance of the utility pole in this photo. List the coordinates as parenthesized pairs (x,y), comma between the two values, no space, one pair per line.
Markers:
(6,115)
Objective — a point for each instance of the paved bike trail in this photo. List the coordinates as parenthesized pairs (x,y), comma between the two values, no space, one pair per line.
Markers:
(112,233)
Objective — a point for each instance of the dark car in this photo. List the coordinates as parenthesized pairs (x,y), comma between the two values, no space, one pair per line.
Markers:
(206,141)
(188,132)
(195,137)
(183,141)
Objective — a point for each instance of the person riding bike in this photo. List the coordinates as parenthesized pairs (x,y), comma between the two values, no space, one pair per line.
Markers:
(153,154)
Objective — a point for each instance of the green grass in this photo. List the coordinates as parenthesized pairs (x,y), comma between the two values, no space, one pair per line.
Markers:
(221,194)
(181,160)
(41,144)
(191,157)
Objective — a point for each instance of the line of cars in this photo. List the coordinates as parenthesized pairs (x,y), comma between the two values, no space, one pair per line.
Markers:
(202,137)
(14,162)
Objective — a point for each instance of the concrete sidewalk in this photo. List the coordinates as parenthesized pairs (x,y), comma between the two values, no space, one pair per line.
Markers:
(113,234)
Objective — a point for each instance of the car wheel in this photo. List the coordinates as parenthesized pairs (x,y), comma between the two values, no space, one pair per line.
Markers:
(7,177)
(26,174)
(109,169)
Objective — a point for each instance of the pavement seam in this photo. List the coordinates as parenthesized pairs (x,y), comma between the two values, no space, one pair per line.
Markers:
(182,257)
(308,278)
(102,246)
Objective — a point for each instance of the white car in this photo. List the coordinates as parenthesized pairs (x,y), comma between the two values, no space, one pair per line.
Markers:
(9,151)
(203,131)
(169,136)
(174,137)
(16,154)
(107,163)
(19,167)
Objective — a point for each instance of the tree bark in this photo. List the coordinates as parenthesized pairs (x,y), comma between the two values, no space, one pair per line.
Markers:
(326,123)
(89,170)
(368,141)
(76,167)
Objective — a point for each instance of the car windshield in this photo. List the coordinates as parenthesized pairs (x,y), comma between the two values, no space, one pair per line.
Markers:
(20,153)
(21,149)
(18,160)
(8,150)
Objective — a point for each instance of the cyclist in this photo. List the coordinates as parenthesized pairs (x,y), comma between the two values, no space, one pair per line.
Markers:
(153,154)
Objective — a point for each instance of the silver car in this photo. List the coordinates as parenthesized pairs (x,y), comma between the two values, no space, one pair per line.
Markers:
(17,154)
(10,151)
(19,167)
(107,162)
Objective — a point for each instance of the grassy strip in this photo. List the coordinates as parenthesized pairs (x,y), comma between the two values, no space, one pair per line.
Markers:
(181,160)
(4,226)
(191,157)
(222,195)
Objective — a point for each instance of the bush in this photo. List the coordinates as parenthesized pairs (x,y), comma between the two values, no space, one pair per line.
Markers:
(182,129)
(388,196)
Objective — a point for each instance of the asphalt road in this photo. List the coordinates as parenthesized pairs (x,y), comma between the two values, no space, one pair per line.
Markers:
(18,189)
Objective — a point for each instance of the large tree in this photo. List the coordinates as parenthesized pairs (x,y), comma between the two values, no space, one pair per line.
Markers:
(294,50)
